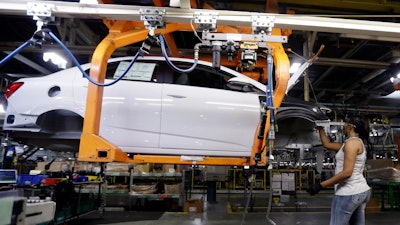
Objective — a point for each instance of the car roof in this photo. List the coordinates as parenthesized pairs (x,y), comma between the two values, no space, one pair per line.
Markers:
(187,60)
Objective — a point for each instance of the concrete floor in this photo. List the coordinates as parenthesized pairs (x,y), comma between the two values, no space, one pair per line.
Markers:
(228,209)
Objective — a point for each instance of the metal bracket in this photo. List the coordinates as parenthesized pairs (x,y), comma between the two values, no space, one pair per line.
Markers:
(39,9)
(206,21)
(262,24)
(41,12)
(153,18)
(260,38)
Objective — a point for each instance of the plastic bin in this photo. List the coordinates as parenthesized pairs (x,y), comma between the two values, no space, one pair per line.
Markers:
(27,179)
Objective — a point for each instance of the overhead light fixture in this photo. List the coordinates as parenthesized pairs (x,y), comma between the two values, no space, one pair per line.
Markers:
(55,59)
(396,81)
(294,67)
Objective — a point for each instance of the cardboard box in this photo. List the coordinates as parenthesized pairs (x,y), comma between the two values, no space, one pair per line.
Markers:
(80,167)
(382,169)
(193,205)
(84,166)
(143,168)
(372,164)
(169,168)
(172,188)
(118,167)
(386,174)
(54,166)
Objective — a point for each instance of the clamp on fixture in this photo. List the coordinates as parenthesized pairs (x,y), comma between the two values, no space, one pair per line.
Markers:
(262,24)
(232,42)
(42,13)
(206,21)
(153,19)
(248,58)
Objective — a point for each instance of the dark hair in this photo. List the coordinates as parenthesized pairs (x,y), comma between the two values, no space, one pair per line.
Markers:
(361,126)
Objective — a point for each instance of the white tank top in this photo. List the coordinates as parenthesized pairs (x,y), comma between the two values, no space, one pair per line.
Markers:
(356,183)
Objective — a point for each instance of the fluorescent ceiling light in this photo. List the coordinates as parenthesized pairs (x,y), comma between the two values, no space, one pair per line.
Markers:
(392,79)
(55,59)
(294,67)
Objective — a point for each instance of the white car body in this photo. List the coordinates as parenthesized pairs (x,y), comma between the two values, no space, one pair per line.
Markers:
(151,116)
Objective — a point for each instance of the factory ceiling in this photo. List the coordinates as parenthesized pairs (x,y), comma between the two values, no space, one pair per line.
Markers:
(352,72)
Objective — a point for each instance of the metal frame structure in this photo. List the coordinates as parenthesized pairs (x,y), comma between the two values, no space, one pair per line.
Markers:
(95,148)
(123,21)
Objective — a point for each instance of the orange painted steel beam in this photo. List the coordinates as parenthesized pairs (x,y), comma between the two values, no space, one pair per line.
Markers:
(162,159)
(282,75)
(121,33)
(92,146)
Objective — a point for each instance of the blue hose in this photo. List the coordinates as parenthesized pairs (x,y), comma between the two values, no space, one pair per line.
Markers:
(270,88)
(77,64)
(271,132)
(75,61)
(164,52)
(16,51)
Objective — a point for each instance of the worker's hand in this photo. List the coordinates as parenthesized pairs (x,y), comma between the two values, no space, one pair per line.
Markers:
(313,189)
(319,128)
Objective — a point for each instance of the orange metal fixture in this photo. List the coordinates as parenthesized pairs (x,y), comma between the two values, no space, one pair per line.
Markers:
(94,148)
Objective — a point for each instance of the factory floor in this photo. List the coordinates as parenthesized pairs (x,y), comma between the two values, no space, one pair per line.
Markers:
(227,208)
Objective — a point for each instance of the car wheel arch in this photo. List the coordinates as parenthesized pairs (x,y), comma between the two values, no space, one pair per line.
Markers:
(60,120)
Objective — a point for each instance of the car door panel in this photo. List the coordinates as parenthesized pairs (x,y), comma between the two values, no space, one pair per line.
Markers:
(130,114)
(221,122)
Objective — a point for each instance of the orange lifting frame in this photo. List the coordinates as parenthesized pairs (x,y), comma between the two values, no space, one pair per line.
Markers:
(94,148)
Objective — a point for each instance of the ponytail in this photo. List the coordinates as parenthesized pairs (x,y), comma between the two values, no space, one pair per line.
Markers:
(362,128)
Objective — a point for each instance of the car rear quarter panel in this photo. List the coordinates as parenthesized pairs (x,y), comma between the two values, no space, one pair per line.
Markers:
(33,98)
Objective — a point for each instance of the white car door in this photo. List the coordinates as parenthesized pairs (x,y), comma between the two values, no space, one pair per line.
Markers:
(131,110)
(200,117)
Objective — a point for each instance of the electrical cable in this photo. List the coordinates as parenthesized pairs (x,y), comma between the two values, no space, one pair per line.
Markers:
(251,180)
(271,144)
(164,52)
(194,30)
(16,51)
(312,89)
(271,131)
(75,61)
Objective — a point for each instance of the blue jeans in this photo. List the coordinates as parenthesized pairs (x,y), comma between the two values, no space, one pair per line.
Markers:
(349,210)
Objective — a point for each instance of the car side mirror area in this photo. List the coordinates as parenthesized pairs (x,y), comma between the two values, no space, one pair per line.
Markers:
(238,84)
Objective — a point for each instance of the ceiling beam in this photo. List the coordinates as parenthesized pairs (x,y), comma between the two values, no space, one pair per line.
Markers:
(360,5)
(30,63)
(353,63)
(232,18)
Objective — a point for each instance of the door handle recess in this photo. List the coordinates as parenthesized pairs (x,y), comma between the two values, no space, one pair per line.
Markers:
(177,96)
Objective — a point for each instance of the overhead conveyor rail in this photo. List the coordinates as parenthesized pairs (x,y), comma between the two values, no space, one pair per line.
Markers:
(225,17)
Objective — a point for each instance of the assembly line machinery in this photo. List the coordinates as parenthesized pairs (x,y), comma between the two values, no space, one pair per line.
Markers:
(129,24)
(228,31)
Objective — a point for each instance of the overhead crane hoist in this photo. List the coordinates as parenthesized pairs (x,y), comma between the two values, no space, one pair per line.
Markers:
(121,33)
